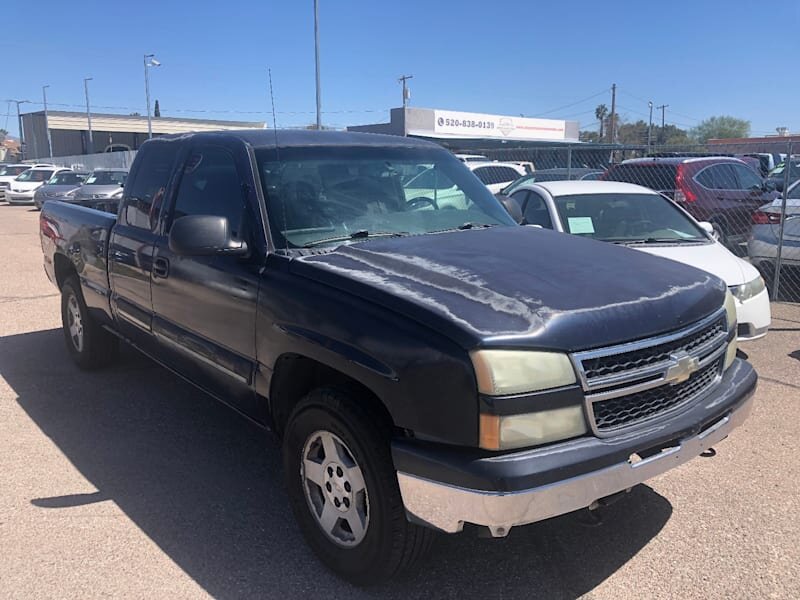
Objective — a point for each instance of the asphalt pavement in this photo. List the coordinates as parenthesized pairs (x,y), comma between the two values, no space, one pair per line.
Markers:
(130,483)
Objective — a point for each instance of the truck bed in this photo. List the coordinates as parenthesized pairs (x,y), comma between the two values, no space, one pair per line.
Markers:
(78,235)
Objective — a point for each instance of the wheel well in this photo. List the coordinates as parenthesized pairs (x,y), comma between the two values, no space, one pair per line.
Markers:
(295,376)
(63,269)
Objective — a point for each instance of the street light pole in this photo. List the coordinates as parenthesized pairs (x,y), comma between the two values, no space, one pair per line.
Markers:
(90,146)
(46,122)
(149,61)
(650,127)
(316,61)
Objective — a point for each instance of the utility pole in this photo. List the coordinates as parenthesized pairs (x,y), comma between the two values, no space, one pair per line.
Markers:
(149,61)
(46,122)
(612,134)
(90,145)
(19,124)
(663,109)
(650,128)
(316,61)
(406,92)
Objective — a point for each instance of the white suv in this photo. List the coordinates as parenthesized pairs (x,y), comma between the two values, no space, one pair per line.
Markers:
(497,175)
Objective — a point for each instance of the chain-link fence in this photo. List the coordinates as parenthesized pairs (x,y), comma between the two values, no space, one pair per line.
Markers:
(746,192)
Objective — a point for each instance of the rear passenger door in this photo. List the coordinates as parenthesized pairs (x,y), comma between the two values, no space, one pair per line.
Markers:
(731,197)
(205,306)
(130,254)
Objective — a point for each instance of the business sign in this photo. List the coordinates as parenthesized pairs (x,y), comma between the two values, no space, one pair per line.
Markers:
(448,123)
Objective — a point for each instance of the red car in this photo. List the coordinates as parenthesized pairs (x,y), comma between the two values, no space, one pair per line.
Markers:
(721,190)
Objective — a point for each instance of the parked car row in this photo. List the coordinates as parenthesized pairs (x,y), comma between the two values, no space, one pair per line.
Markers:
(36,184)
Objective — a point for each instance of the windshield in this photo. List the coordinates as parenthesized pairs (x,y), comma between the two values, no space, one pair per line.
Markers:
(795,167)
(107,178)
(67,178)
(12,171)
(626,218)
(35,175)
(317,196)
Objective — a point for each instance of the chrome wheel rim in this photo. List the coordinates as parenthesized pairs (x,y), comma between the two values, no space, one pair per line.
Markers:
(75,323)
(335,489)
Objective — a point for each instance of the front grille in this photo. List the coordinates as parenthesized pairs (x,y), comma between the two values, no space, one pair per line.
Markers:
(4,185)
(631,409)
(630,383)
(626,361)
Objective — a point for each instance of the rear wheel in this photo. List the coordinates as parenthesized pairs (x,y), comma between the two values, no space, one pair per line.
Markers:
(90,345)
(343,489)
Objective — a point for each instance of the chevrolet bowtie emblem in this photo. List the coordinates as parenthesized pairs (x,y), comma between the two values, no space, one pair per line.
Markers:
(681,368)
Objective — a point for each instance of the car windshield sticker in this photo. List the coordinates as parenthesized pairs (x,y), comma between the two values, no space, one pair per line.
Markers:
(581,225)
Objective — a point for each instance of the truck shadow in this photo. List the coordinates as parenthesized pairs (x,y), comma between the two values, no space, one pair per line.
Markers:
(206,486)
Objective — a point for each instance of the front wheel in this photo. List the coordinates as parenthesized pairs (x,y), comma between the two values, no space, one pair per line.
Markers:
(343,489)
(90,345)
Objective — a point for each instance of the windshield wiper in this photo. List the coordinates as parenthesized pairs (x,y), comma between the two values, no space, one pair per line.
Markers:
(653,240)
(361,234)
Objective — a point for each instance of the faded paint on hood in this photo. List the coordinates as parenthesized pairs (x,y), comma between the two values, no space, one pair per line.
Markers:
(521,287)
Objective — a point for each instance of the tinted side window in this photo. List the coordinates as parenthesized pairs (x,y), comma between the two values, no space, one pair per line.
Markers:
(144,195)
(490,175)
(211,186)
(536,212)
(747,177)
(718,177)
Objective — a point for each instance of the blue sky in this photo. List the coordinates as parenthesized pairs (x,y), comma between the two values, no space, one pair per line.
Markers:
(702,58)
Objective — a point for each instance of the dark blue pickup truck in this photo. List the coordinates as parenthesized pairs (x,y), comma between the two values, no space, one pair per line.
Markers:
(425,366)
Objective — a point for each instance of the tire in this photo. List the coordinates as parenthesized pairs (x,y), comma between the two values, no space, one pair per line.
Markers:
(389,544)
(89,345)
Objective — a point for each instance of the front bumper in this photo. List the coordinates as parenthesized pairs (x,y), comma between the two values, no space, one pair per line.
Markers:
(19,197)
(753,316)
(574,474)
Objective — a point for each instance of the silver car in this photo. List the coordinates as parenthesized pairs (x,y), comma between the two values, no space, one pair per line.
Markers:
(61,186)
(762,247)
(101,190)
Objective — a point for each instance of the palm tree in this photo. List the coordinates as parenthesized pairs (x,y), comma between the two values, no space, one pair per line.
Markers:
(600,113)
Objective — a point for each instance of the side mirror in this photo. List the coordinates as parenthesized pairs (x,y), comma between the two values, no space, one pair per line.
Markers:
(204,235)
(512,207)
(768,186)
(709,229)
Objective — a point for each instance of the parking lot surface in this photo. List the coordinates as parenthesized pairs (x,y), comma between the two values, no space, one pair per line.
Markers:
(130,483)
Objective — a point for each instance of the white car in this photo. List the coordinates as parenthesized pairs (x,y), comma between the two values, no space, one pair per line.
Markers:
(9,173)
(637,217)
(24,186)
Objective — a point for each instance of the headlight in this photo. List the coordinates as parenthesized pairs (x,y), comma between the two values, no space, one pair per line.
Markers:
(117,196)
(501,372)
(748,290)
(507,432)
(730,310)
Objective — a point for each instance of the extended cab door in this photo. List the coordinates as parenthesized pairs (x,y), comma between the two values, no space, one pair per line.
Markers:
(130,253)
(205,306)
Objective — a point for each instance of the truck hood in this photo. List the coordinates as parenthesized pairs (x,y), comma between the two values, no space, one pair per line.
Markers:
(521,287)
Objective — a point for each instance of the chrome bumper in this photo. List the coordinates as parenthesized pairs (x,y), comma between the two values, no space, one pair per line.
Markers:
(448,507)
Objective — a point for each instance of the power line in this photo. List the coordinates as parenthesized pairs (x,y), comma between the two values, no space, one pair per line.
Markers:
(547,112)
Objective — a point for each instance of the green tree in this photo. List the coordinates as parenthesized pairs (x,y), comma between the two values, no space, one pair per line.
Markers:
(721,127)
(157,110)
(3,134)
(600,113)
